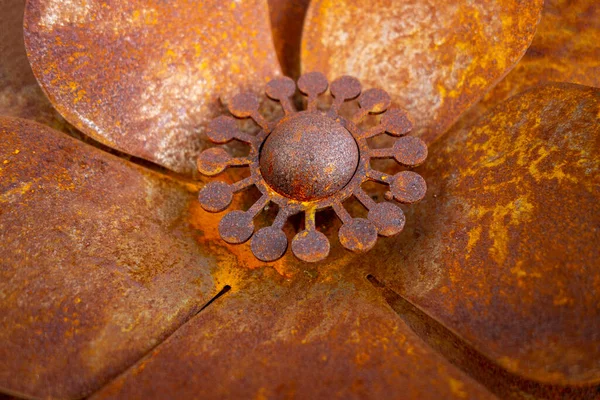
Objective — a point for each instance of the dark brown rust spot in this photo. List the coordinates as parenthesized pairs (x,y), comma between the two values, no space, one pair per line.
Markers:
(308,156)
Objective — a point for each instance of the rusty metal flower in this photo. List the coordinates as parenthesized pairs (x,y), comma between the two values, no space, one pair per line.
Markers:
(311,160)
(115,283)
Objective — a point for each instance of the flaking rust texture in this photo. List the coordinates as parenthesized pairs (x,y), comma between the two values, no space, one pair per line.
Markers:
(436,58)
(301,338)
(97,262)
(504,250)
(145,77)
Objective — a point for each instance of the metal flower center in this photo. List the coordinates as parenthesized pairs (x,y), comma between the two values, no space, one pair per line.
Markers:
(308,162)
(308,156)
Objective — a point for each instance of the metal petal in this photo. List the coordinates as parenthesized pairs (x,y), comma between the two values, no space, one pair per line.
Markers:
(98,262)
(504,249)
(436,59)
(305,338)
(146,77)
(565,49)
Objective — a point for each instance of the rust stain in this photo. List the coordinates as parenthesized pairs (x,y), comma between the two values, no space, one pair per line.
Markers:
(145,77)
(507,236)
(436,58)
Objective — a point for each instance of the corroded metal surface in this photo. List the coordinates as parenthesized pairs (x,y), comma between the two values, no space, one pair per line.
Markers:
(436,58)
(313,160)
(305,339)
(98,263)
(145,77)
(504,248)
(20,95)
(287,19)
